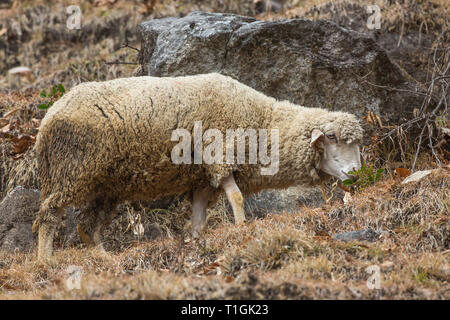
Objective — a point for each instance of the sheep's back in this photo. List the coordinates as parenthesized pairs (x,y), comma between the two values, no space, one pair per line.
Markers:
(114,136)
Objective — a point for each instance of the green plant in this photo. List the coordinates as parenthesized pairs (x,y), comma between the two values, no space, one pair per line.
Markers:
(56,93)
(367,176)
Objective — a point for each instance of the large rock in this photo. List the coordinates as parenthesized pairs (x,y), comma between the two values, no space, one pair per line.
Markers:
(20,207)
(17,212)
(289,200)
(312,63)
(408,39)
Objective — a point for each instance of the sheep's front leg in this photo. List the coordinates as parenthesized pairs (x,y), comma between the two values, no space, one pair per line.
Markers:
(199,204)
(47,223)
(235,198)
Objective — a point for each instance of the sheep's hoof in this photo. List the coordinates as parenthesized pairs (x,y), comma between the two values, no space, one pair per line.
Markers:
(239,218)
(45,242)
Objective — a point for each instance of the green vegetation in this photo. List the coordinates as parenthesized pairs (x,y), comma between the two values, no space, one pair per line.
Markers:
(367,176)
(56,93)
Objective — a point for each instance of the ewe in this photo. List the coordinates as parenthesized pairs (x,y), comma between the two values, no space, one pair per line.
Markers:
(108,142)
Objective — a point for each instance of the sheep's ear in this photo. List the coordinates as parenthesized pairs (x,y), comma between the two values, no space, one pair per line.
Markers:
(316,137)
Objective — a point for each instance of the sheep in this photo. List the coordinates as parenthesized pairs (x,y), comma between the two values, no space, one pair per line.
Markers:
(107,142)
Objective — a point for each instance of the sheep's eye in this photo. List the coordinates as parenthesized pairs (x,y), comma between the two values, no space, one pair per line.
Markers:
(331,136)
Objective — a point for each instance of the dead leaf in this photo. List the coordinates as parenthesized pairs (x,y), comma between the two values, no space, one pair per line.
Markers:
(19,156)
(210,268)
(417,176)
(99,3)
(373,119)
(3,122)
(402,172)
(6,128)
(22,143)
(346,189)
(322,233)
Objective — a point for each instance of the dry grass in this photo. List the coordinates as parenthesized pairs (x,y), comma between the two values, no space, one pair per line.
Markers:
(281,256)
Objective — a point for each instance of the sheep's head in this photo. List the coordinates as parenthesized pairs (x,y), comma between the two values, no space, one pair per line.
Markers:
(338,139)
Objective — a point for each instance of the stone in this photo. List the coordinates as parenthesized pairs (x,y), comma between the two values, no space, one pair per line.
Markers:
(17,213)
(417,176)
(360,235)
(19,209)
(311,63)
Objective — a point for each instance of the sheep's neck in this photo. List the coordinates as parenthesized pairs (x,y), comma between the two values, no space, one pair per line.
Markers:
(296,158)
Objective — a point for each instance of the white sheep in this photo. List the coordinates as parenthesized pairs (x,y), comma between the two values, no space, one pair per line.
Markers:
(107,142)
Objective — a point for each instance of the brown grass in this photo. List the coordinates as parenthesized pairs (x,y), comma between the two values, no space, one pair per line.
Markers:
(281,256)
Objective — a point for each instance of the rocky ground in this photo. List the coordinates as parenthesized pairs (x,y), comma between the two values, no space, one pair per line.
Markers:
(288,249)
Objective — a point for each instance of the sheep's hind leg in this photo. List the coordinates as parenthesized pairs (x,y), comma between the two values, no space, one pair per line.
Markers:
(235,198)
(95,218)
(199,204)
(47,222)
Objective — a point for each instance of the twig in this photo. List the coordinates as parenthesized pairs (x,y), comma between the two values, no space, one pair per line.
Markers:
(401,32)
(391,88)
(439,74)
(120,62)
(126,45)
(428,118)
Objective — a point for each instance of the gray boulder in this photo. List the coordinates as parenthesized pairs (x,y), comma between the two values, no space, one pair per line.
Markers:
(289,200)
(17,212)
(19,209)
(403,39)
(312,63)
